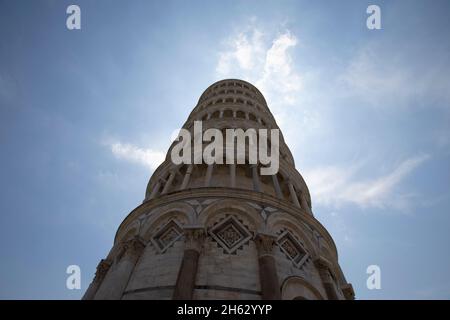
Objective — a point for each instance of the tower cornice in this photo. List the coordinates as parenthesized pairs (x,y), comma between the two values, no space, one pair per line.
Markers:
(239,194)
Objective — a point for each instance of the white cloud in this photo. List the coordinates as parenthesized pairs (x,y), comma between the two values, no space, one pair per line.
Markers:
(394,80)
(245,52)
(265,63)
(334,186)
(304,108)
(279,77)
(146,157)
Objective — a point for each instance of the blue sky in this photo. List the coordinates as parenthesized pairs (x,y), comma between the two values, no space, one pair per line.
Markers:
(86,116)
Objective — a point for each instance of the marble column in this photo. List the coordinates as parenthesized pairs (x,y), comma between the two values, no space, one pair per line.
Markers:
(270,287)
(116,280)
(233,175)
(304,204)
(187,177)
(208,175)
(294,198)
(185,285)
(169,182)
(255,176)
(155,190)
(324,266)
(276,186)
(102,269)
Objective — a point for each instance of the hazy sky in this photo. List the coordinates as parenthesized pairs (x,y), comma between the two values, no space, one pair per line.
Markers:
(86,116)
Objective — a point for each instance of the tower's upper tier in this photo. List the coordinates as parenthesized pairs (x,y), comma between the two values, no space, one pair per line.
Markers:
(238,93)
(234,85)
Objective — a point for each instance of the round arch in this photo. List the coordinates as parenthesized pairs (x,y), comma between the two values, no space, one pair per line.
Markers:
(130,231)
(231,206)
(182,212)
(297,288)
(283,219)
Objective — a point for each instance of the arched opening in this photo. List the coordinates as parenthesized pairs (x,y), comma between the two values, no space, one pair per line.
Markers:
(297,288)
(283,186)
(240,114)
(215,115)
(228,114)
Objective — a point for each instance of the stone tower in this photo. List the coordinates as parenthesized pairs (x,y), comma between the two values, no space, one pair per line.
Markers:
(223,231)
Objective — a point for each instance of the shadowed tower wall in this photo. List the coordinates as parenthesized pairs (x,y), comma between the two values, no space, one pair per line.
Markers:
(223,231)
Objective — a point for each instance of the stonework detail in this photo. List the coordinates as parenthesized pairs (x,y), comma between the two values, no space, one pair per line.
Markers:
(168,234)
(102,269)
(265,244)
(200,204)
(133,247)
(223,231)
(194,237)
(292,248)
(230,234)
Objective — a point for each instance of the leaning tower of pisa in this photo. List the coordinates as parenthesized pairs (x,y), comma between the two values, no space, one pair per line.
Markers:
(223,231)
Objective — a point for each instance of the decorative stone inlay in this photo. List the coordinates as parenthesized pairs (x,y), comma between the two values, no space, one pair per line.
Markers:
(292,248)
(167,235)
(230,234)
(200,204)
(264,211)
